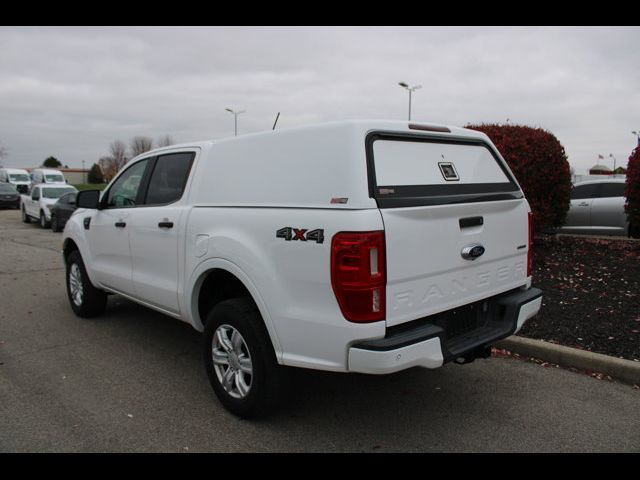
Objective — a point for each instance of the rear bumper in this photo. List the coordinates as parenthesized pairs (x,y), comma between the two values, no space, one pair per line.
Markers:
(430,342)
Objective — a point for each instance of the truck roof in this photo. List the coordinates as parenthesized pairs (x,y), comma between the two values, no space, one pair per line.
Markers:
(359,125)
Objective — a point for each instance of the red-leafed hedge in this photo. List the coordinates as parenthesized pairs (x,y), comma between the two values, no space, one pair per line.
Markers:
(540,165)
(632,192)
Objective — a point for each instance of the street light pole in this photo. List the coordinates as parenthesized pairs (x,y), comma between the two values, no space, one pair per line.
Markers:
(235,118)
(614,162)
(411,90)
(84,173)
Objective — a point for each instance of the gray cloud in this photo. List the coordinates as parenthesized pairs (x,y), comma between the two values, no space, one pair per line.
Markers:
(70,91)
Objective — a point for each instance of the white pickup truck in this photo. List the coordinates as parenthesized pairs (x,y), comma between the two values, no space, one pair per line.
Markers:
(363,246)
(37,204)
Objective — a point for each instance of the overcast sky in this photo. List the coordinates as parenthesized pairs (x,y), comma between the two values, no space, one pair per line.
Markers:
(69,92)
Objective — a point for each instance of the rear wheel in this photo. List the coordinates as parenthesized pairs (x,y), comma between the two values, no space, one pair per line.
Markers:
(240,361)
(25,217)
(85,299)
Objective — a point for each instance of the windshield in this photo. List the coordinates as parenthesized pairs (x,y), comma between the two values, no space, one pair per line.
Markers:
(55,192)
(54,178)
(18,177)
(6,188)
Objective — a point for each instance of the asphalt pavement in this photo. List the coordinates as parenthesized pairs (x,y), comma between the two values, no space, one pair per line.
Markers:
(133,381)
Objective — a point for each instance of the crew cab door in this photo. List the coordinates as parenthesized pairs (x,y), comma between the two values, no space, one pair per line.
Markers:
(32,206)
(156,228)
(109,227)
(440,198)
(579,215)
(607,209)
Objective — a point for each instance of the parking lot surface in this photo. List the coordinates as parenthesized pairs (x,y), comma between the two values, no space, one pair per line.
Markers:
(133,380)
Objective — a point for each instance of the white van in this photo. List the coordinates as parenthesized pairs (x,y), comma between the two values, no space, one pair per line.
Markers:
(17,177)
(47,175)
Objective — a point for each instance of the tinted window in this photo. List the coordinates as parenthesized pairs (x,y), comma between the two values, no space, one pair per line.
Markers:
(124,191)
(584,191)
(612,190)
(19,177)
(68,198)
(169,178)
(54,178)
(54,192)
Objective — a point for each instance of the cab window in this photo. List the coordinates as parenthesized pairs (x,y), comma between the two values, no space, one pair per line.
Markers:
(124,192)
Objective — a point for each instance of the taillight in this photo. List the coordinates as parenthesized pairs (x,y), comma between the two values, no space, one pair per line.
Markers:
(358,275)
(530,251)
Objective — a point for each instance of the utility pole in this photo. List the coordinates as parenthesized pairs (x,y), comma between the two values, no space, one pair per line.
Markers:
(235,117)
(411,90)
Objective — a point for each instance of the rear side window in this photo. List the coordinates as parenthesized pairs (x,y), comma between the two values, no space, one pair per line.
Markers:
(611,190)
(411,171)
(585,191)
(169,178)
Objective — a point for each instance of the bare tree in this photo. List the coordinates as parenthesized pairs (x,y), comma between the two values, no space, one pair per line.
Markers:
(165,140)
(118,153)
(140,145)
(108,167)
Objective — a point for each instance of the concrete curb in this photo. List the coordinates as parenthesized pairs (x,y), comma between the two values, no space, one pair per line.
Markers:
(626,371)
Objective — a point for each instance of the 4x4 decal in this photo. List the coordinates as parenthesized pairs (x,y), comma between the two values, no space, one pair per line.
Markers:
(290,233)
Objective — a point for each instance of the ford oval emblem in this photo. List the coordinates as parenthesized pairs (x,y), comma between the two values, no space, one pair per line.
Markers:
(471,252)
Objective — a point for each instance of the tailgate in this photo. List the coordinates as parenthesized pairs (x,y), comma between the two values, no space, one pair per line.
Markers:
(440,198)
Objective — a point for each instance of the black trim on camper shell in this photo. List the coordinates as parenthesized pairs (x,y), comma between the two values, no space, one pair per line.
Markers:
(395,196)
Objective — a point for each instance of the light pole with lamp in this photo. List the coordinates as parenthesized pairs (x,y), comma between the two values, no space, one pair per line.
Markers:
(614,162)
(411,90)
(235,117)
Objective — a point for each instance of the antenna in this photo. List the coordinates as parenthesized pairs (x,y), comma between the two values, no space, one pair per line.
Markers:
(274,123)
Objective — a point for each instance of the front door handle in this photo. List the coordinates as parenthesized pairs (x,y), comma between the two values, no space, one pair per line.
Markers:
(583,204)
(165,224)
(120,224)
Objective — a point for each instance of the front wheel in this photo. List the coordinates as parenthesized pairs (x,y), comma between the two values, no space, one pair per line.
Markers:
(85,299)
(240,361)
(55,225)
(43,220)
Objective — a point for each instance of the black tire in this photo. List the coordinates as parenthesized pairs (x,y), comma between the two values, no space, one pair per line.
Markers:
(55,226)
(268,380)
(93,301)
(43,220)
(634,232)
(25,218)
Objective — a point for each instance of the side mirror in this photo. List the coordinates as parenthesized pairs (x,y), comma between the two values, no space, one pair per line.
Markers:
(88,199)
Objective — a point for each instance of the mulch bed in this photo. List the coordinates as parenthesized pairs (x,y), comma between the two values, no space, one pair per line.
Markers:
(591,289)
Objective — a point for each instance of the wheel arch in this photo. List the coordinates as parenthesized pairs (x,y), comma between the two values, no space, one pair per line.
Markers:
(217,279)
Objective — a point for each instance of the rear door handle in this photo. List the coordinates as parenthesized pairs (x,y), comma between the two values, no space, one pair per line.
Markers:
(583,204)
(165,225)
(120,224)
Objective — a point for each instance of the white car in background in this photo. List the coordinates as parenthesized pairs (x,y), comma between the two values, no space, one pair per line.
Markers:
(17,177)
(597,207)
(47,175)
(37,205)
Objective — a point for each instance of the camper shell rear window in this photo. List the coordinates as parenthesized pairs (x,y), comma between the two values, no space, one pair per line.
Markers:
(414,170)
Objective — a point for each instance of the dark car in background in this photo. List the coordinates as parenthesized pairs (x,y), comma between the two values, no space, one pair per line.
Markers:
(9,196)
(62,210)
